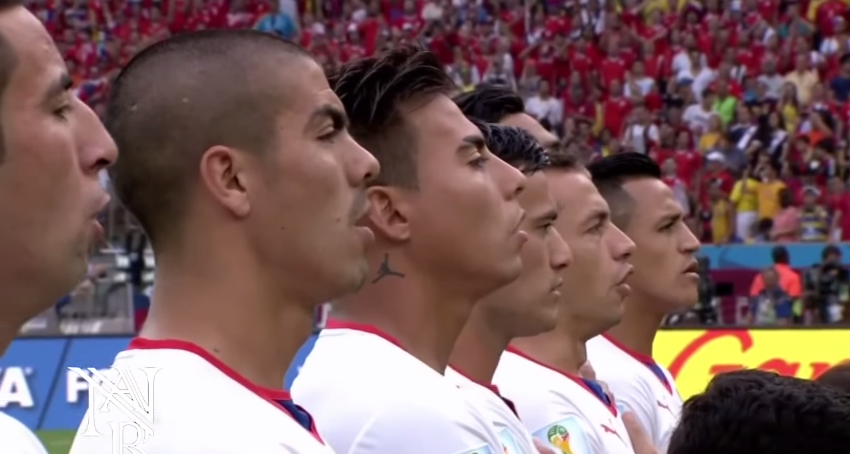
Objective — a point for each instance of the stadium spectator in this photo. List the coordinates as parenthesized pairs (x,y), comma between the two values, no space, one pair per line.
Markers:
(772,306)
(789,280)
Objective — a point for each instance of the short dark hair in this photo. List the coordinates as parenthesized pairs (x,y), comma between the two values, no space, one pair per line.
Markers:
(374,89)
(830,250)
(754,411)
(179,97)
(490,103)
(514,145)
(780,255)
(8,64)
(611,172)
(837,377)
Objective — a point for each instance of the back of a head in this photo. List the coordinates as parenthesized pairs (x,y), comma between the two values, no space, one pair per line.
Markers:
(837,377)
(754,411)
(376,92)
(780,255)
(514,145)
(181,96)
(610,173)
(490,103)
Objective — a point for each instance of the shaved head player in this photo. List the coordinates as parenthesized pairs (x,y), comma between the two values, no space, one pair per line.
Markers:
(448,225)
(664,281)
(525,307)
(238,164)
(52,147)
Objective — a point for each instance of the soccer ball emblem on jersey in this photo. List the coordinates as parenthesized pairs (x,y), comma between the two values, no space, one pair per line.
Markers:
(559,437)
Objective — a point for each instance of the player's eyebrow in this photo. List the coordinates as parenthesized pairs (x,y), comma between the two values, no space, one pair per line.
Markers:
(473,141)
(328,112)
(58,87)
(670,218)
(547,216)
(596,215)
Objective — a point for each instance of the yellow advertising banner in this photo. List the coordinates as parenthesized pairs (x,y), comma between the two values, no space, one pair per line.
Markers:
(695,356)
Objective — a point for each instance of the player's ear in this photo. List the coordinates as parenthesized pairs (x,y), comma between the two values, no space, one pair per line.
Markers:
(389,211)
(222,172)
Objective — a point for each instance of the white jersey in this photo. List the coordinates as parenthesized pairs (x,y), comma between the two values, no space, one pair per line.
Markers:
(640,385)
(15,438)
(369,395)
(514,436)
(197,405)
(570,413)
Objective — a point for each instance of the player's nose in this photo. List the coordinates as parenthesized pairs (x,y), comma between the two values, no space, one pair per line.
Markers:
(690,244)
(362,167)
(97,149)
(510,180)
(560,254)
(624,247)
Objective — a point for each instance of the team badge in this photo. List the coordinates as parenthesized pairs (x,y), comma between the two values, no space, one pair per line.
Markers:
(565,437)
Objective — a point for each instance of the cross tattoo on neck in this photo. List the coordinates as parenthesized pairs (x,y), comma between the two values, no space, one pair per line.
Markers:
(384,270)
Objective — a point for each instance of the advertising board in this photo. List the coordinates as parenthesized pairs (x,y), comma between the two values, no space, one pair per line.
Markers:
(694,356)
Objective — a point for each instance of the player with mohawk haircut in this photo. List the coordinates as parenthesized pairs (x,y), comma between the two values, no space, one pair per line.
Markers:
(525,307)
(448,228)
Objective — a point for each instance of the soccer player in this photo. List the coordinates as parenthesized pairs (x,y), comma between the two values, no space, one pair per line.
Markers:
(750,411)
(498,104)
(238,164)
(540,374)
(52,147)
(526,306)
(664,281)
(448,224)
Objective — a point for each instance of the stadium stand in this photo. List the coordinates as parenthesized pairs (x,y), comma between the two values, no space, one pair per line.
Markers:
(744,103)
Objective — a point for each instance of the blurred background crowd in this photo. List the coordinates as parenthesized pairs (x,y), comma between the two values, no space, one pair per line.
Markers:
(744,103)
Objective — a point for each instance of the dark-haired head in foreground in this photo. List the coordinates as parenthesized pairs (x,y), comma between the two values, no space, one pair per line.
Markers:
(236,157)
(528,305)
(754,411)
(644,207)
(498,104)
(837,377)
(444,208)
(52,147)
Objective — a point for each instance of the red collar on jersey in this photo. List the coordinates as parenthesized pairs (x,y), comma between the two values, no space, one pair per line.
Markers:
(643,359)
(595,389)
(273,396)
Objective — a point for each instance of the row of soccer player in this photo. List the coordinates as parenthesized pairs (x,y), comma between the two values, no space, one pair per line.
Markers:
(247,168)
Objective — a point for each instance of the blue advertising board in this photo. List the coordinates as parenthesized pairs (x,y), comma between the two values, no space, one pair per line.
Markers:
(36,387)
(757,256)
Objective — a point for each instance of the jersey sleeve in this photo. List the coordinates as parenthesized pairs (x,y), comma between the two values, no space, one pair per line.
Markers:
(417,428)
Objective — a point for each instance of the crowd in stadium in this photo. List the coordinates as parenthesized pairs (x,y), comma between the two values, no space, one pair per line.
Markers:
(743,102)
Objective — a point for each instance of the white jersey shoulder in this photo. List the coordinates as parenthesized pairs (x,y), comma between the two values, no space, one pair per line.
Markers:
(515,438)
(195,407)
(640,385)
(16,438)
(558,410)
(370,396)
